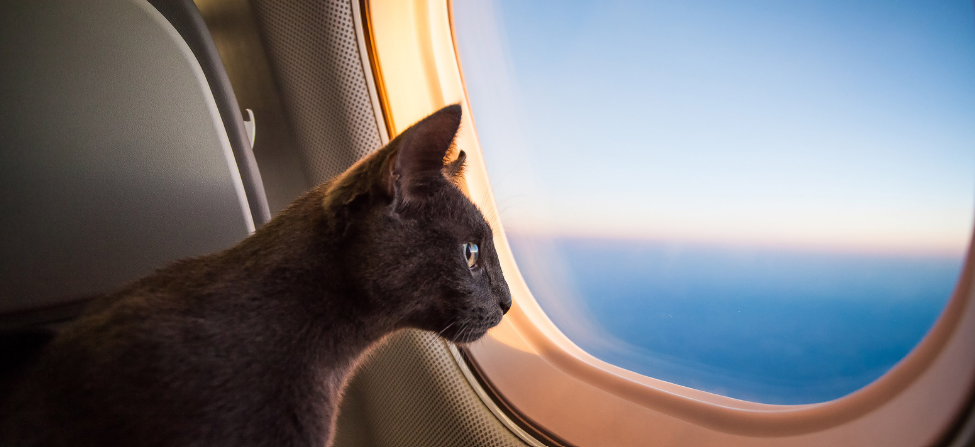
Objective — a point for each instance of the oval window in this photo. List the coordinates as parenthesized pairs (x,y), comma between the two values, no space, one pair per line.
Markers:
(764,200)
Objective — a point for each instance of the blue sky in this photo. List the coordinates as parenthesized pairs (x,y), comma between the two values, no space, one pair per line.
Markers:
(827,124)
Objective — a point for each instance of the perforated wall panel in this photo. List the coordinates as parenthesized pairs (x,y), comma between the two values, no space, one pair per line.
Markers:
(410,392)
(315,58)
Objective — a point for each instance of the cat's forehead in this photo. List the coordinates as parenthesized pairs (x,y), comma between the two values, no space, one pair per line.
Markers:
(456,209)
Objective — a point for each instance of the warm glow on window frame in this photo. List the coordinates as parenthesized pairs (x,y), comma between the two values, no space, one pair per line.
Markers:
(586,401)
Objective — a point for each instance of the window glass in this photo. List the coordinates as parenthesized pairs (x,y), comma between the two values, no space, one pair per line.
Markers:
(765,200)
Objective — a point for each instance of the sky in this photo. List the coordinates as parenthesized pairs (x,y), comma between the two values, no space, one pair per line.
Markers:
(839,125)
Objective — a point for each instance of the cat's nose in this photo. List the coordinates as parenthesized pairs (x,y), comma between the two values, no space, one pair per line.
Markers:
(505,305)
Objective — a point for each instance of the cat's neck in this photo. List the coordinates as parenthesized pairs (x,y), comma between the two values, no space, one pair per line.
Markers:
(292,270)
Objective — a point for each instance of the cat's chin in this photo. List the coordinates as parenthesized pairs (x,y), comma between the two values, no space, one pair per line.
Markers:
(470,336)
(464,335)
(467,328)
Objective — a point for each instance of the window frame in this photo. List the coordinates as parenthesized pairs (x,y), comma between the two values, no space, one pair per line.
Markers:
(581,400)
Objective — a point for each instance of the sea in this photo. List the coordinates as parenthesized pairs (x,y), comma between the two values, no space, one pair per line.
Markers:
(766,325)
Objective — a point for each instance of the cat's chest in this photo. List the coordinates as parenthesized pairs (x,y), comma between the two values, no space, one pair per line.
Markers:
(278,399)
(228,379)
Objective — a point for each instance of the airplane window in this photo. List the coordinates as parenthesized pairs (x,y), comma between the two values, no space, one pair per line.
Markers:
(765,200)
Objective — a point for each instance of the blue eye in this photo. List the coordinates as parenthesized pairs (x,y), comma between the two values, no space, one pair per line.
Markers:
(470,252)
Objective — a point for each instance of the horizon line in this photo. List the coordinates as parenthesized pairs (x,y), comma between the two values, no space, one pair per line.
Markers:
(867,248)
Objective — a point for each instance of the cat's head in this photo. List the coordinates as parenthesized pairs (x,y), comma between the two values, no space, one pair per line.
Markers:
(419,249)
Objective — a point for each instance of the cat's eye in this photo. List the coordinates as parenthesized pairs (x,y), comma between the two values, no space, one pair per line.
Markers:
(470,252)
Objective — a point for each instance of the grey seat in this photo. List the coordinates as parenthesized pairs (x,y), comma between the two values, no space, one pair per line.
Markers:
(114,156)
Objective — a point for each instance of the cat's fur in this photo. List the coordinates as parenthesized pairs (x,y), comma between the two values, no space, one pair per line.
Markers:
(252,346)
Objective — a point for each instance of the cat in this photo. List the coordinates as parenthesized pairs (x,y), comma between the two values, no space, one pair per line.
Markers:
(253,345)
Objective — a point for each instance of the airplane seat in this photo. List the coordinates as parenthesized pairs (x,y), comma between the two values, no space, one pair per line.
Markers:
(122,148)
(115,158)
(186,19)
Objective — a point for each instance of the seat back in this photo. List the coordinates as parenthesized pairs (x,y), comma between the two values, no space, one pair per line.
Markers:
(114,159)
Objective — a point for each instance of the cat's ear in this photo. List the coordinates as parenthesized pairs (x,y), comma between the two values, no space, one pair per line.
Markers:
(455,169)
(419,166)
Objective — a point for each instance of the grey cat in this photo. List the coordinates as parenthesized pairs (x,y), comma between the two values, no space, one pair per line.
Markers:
(252,346)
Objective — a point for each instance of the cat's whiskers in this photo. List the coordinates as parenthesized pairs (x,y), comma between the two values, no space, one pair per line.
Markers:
(464,332)
(444,329)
